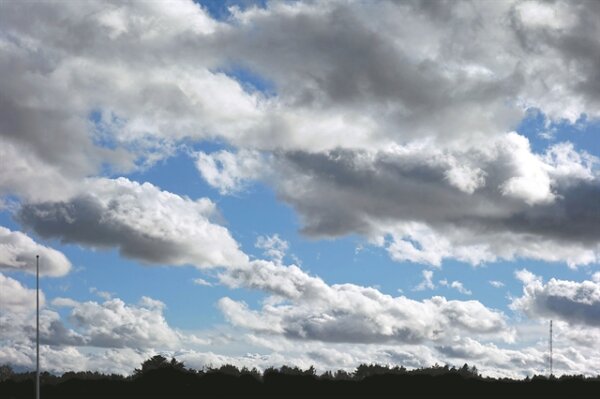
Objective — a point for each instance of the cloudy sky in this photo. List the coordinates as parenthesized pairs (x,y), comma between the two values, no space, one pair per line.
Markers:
(321,183)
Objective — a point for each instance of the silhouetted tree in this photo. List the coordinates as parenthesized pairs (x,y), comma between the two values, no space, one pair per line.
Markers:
(6,372)
(159,362)
(342,375)
(227,369)
(366,370)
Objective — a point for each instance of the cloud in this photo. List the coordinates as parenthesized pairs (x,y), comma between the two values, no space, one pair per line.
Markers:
(110,324)
(457,285)
(577,303)
(274,247)
(202,282)
(17,319)
(113,116)
(496,283)
(18,252)
(425,123)
(306,308)
(230,172)
(102,294)
(406,203)
(426,74)
(427,283)
(143,222)
(16,298)
(114,324)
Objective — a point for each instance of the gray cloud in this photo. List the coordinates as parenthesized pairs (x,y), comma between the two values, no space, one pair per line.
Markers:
(145,223)
(350,78)
(304,307)
(577,303)
(488,206)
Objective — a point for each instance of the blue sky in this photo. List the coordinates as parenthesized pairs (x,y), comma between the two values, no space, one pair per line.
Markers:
(312,183)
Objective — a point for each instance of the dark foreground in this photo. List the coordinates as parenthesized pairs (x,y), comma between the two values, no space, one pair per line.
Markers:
(163,379)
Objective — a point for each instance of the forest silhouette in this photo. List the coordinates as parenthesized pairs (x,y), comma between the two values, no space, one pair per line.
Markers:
(159,377)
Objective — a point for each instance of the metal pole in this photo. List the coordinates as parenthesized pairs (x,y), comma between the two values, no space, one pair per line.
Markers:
(551,349)
(37,327)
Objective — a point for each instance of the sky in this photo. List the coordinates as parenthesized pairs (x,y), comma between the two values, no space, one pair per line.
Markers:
(309,183)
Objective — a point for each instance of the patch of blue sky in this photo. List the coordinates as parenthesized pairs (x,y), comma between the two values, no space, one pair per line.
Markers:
(584,133)
(250,80)
(176,174)
(101,125)
(6,214)
(189,306)
(220,9)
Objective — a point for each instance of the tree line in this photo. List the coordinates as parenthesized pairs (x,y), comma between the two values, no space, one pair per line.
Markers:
(159,377)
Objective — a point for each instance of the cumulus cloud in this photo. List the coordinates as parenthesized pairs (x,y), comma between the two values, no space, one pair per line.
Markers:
(110,324)
(575,302)
(422,217)
(411,144)
(294,333)
(18,252)
(61,359)
(145,223)
(202,282)
(427,283)
(112,115)
(457,285)
(17,319)
(425,124)
(274,247)
(15,297)
(230,172)
(304,307)
(115,324)
(496,283)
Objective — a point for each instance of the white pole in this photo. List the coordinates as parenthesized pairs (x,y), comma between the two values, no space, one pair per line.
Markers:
(37,327)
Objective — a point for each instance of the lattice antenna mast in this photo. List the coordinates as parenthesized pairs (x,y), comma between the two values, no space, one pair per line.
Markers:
(550,348)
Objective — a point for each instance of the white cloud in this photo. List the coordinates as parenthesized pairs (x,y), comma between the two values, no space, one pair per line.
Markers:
(427,283)
(110,324)
(306,308)
(403,201)
(530,181)
(496,283)
(274,247)
(115,324)
(145,223)
(202,282)
(17,319)
(230,172)
(18,253)
(457,285)
(574,302)
(16,298)
(102,294)
(527,277)
(418,122)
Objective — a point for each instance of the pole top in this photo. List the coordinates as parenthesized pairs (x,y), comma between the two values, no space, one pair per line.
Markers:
(37,256)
